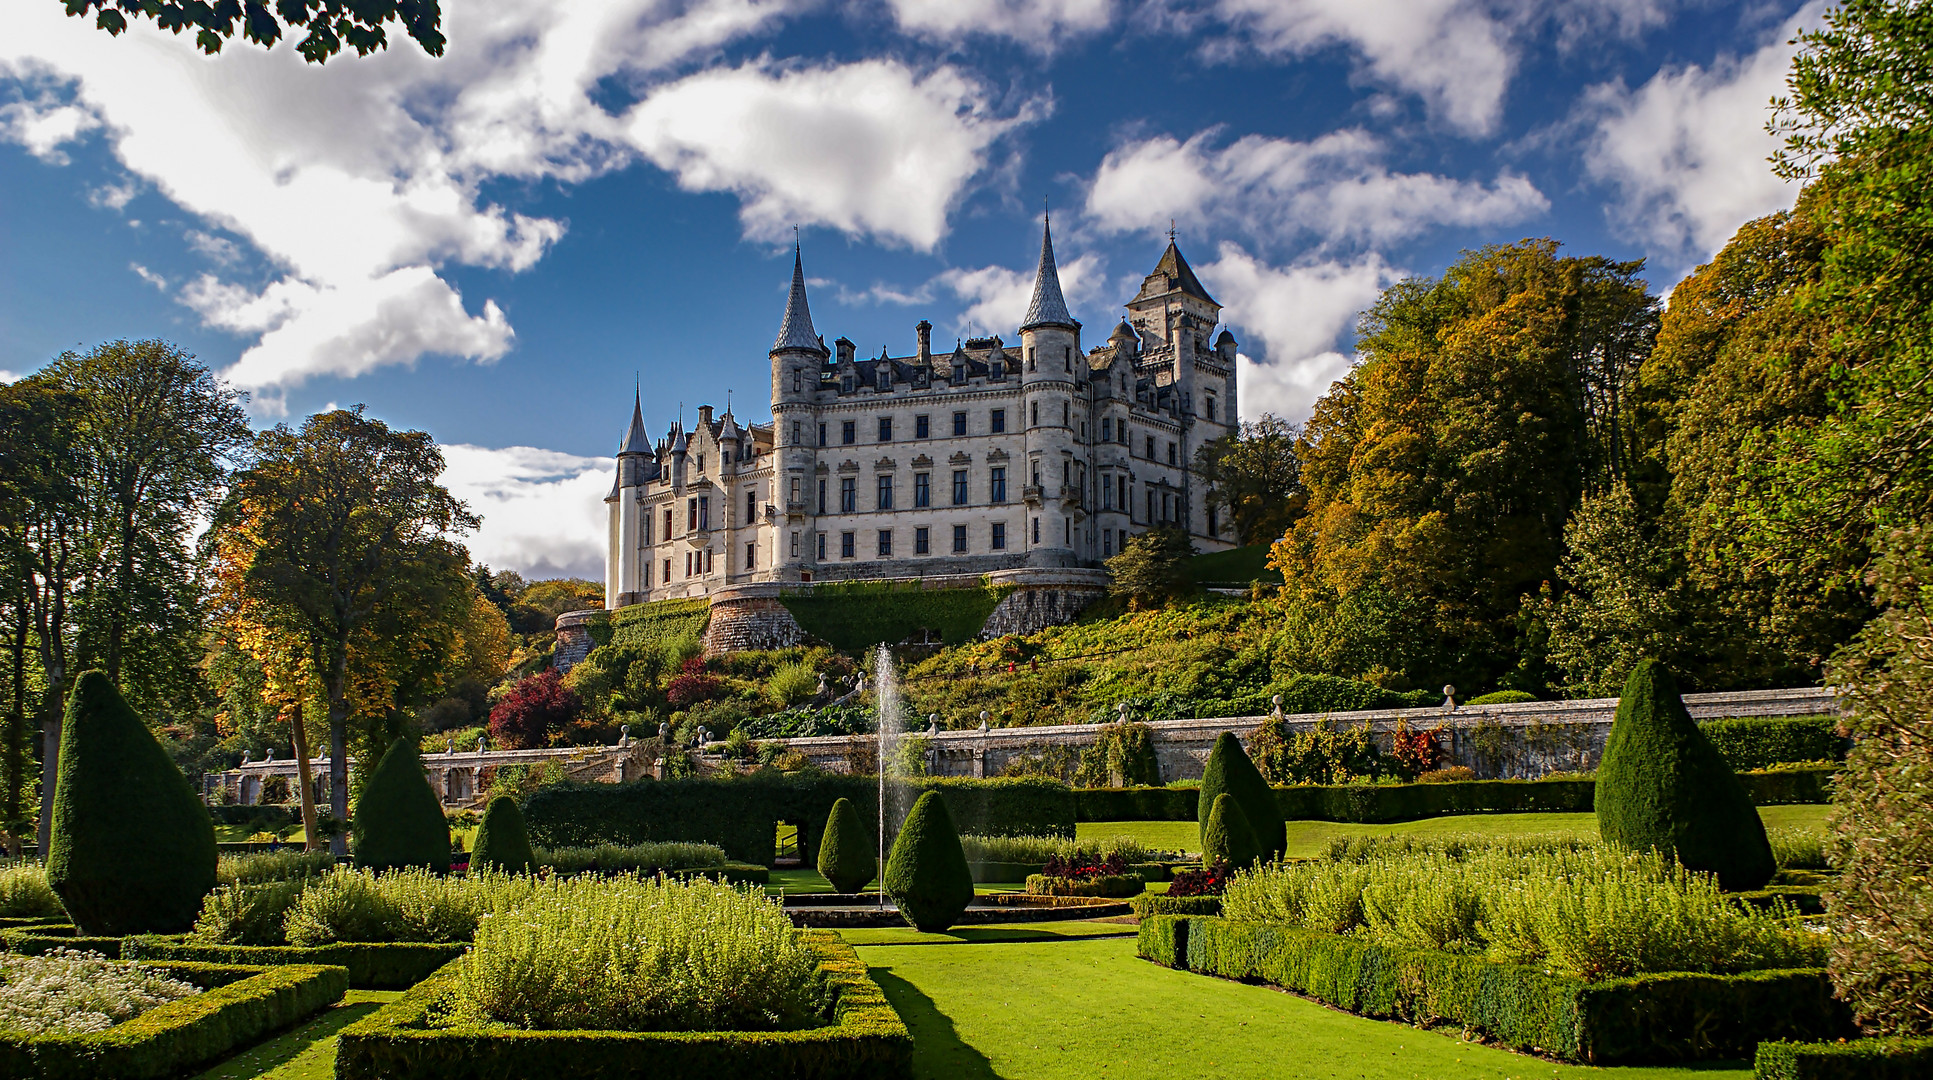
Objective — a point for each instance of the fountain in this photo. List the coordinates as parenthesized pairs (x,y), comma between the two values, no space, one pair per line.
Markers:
(886,733)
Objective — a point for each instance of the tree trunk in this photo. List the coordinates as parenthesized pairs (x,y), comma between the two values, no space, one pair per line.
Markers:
(16,748)
(51,709)
(339,749)
(298,729)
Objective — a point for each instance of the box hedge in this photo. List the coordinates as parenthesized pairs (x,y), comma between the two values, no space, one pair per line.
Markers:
(1759,742)
(740,814)
(1854,1059)
(237,1006)
(34,940)
(1160,904)
(388,965)
(398,819)
(1661,1017)
(926,871)
(865,1040)
(1111,886)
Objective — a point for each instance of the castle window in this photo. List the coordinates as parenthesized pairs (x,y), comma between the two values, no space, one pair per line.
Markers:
(959,423)
(999,536)
(997,421)
(959,540)
(849,434)
(848,495)
(751,505)
(1121,430)
(798,380)
(845,384)
(922,490)
(997,486)
(1107,494)
(1107,541)
(688,557)
(1036,472)
(1030,358)
(1066,413)
(885,543)
(848,546)
(704,513)
(1107,429)
(885,429)
(1167,507)
(797,438)
(822,504)
(822,547)
(922,427)
(922,541)
(1121,485)
(751,556)
(1067,358)
(667,571)
(691,515)
(822,434)
(667,523)
(707,560)
(1034,421)
(795,489)
(701,464)
(885,493)
(1124,382)
(884,380)
(1171,453)
(1211,406)
(1122,534)
(959,487)
(1068,528)
(647,530)
(1212,530)
(1066,473)
(1150,518)
(795,544)
(1150,454)
(1036,530)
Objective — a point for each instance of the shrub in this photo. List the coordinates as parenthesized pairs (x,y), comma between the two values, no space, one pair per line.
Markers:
(1758,742)
(692,685)
(794,684)
(398,820)
(533,710)
(927,873)
(1229,770)
(256,867)
(1797,849)
(1663,785)
(1501,697)
(1855,1059)
(247,914)
(630,858)
(847,857)
(402,905)
(639,956)
(1455,774)
(1227,836)
(25,894)
(1111,886)
(502,842)
(77,992)
(1210,880)
(1039,849)
(1121,750)
(133,849)
(1414,752)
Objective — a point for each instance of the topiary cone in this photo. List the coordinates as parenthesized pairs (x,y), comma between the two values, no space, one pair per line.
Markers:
(398,820)
(1230,771)
(503,843)
(846,853)
(1663,785)
(926,872)
(131,849)
(1228,838)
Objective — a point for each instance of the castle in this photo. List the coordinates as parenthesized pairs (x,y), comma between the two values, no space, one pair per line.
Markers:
(994,458)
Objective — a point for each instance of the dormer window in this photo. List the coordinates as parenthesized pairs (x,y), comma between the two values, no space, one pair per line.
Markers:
(845,384)
(884,379)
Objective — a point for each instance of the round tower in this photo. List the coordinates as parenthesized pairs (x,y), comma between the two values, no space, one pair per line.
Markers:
(1050,349)
(624,580)
(798,355)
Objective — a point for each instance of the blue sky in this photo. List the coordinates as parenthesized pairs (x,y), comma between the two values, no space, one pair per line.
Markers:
(492,246)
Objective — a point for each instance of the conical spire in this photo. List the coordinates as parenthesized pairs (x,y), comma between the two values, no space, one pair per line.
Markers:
(796,331)
(635,440)
(1048,308)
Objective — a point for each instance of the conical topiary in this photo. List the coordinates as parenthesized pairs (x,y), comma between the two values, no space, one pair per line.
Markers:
(847,857)
(132,850)
(1228,838)
(1229,770)
(926,872)
(398,820)
(1663,785)
(502,842)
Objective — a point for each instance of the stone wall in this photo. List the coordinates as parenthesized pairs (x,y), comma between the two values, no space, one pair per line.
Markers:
(748,617)
(1042,598)
(573,638)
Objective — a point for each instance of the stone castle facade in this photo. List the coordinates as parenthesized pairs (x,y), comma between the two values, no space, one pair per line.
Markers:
(1041,454)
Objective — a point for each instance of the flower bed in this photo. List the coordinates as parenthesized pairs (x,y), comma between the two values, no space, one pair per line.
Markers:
(73,993)
(1657,1017)
(861,1037)
(237,1005)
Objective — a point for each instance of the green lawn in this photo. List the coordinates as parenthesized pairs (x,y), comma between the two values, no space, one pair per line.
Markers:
(792,880)
(1312,837)
(1088,1009)
(306,1053)
(1234,566)
(988,935)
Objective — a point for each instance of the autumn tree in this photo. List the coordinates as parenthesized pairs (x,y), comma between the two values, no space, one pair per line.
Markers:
(1152,567)
(1255,477)
(353,537)
(537,706)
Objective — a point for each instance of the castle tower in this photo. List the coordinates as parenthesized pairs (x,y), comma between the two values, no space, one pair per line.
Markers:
(1050,347)
(1174,309)
(624,580)
(798,355)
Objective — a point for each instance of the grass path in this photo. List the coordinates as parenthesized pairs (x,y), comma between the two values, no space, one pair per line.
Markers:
(1312,837)
(1083,1010)
(307,1052)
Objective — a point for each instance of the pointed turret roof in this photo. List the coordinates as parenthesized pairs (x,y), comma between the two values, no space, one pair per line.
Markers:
(1178,275)
(796,331)
(635,440)
(1048,307)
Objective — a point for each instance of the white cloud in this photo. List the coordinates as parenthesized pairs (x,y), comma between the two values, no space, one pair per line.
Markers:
(1334,188)
(1038,24)
(1296,314)
(10,377)
(871,147)
(42,122)
(219,248)
(996,298)
(543,511)
(1687,151)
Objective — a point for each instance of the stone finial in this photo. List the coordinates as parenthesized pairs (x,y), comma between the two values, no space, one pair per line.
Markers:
(482,741)
(1276,702)
(664,730)
(624,735)
(932,723)
(984,717)
(1121,711)
(1449,697)
(449,744)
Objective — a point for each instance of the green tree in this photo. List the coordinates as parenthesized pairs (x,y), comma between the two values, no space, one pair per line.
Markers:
(503,841)
(1229,771)
(926,872)
(1254,475)
(399,822)
(1153,567)
(1227,837)
(353,540)
(847,857)
(360,24)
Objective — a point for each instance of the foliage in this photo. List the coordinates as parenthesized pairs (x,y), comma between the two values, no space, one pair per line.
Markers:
(1227,836)
(400,905)
(502,842)
(1324,755)
(520,782)
(926,871)
(1797,849)
(538,707)
(836,720)
(1230,771)
(133,848)
(331,24)
(1121,754)
(1857,1059)
(1210,880)
(847,856)
(1415,751)
(1152,567)
(25,894)
(1254,474)
(399,820)
(1595,912)
(630,858)
(1040,849)
(247,914)
(1758,742)
(692,685)
(854,616)
(1502,697)
(1662,785)
(794,684)
(78,992)
(1882,821)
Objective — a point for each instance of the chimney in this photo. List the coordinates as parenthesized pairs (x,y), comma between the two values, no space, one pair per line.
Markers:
(846,350)
(925,331)
(704,415)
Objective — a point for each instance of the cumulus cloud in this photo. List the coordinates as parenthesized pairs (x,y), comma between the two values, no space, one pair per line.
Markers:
(996,297)
(1333,188)
(1686,152)
(542,510)
(1293,317)
(1038,24)
(41,122)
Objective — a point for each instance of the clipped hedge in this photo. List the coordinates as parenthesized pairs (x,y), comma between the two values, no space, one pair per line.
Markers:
(740,814)
(1758,742)
(237,1006)
(34,940)
(857,615)
(866,1040)
(1855,1059)
(266,817)
(1160,904)
(1110,886)
(1771,787)
(388,965)
(1002,872)
(1660,1017)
